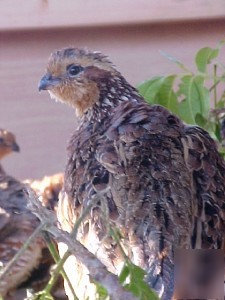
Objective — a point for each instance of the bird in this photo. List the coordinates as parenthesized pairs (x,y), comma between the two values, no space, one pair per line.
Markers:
(162,182)
(17,223)
(8,144)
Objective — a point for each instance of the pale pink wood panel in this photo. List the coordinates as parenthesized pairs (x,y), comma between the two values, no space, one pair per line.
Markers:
(42,126)
(23,14)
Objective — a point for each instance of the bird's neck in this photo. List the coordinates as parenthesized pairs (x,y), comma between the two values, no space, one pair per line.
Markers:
(113,92)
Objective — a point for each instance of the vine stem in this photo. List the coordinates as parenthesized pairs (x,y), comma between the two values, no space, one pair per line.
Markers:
(215,81)
(59,268)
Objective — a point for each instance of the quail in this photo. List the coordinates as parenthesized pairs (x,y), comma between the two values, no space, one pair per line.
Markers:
(163,181)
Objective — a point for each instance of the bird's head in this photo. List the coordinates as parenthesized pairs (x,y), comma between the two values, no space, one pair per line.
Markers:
(8,143)
(74,75)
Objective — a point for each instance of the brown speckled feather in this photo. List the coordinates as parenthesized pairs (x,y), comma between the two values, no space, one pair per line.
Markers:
(139,154)
(160,179)
(17,223)
(208,172)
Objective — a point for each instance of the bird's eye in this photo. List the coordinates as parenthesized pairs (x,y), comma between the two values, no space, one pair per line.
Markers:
(73,70)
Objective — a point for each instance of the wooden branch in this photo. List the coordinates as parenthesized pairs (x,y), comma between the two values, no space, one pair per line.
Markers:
(96,268)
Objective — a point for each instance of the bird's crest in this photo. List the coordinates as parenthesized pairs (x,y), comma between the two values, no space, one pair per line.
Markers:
(81,56)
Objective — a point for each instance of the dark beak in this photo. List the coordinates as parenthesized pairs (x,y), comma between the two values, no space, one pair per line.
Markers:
(48,82)
(15,147)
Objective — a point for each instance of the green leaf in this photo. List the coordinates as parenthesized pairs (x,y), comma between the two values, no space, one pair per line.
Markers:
(218,131)
(150,89)
(211,128)
(137,272)
(195,98)
(204,57)
(183,113)
(101,292)
(132,279)
(221,102)
(167,97)
(203,97)
(200,120)
(160,91)
(124,274)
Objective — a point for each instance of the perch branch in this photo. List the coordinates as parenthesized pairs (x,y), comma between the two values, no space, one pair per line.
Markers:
(96,268)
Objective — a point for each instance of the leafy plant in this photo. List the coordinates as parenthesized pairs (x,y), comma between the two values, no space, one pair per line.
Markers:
(132,278)
(193,95)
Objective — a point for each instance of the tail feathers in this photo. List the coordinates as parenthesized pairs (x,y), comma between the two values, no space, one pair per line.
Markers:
(161,278)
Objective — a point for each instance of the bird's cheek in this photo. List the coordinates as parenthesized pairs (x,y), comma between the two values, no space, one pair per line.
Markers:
(48,82)
(65,94)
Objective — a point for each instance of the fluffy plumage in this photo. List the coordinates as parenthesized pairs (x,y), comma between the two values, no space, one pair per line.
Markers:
(164,181)
(48,189)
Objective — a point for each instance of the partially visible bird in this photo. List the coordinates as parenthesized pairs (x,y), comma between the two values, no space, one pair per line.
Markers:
(48,189)
(8,144)
(164,181)
(17,223)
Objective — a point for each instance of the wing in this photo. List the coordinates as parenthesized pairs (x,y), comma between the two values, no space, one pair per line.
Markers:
(208,169)
(151,186)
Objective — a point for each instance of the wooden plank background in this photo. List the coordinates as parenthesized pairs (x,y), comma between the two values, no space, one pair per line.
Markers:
(36,14)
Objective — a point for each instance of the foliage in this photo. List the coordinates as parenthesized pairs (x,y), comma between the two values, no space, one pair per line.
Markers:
(132,278)
(193,95)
